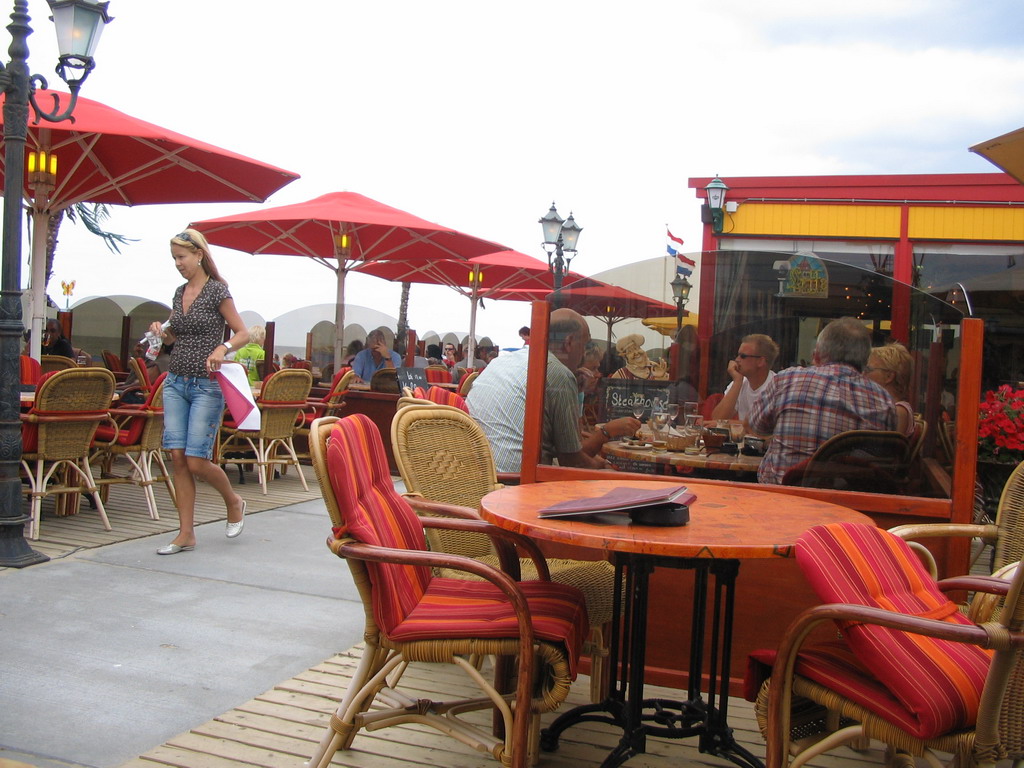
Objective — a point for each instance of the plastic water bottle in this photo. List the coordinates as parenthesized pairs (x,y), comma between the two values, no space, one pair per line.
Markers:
(154,341)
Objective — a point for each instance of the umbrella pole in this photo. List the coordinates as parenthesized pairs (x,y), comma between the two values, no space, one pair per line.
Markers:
(471,349)
(39,224)
(339,319)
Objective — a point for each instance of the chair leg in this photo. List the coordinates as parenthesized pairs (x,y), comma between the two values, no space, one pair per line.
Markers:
(600,665)
(93,491)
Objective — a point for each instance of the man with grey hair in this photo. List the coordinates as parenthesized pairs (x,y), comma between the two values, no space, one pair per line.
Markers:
(498,402)
(375,356)
(801,408)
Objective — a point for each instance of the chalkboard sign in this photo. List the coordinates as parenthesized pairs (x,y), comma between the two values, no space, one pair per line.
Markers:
(634,465)
(620,396)
(412,378)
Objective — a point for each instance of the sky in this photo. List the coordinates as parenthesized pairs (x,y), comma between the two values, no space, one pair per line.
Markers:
(478,115)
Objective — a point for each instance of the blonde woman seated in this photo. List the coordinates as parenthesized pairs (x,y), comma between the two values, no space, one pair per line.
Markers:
(638,364)
(891,366)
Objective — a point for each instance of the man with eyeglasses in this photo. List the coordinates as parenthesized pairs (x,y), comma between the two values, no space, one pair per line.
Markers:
(750,371)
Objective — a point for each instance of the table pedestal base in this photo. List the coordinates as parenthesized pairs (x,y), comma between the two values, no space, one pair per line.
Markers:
(625,707)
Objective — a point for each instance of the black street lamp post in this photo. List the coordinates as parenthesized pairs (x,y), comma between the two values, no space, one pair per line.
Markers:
(681,293)
(79,24)
(560,236)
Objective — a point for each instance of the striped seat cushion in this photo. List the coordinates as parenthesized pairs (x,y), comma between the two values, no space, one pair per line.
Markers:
(936,682)
(408,602)
(442,396)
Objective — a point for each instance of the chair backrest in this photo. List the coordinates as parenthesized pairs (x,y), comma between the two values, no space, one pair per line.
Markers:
(48,363)
(385,380)
(71,392)
(443,454)
(938,682)
(466,383)
(113,362)
(282,401)
(443,396)
(30,370)
(917,439)
(141,371)
(708,405)
(438,374)
(335,397)
(146,429)
(302,365)
(1009,546)
(348,456)
(857,460)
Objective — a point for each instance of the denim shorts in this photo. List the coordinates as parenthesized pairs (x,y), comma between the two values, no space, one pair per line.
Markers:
(193,408)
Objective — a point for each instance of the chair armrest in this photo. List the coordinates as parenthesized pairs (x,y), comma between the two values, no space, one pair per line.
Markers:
(507,540)
(349,548)
(914,531)
(991,585)
(509,478)
(421,504)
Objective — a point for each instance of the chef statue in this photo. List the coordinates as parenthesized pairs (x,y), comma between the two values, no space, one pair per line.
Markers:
(638,365)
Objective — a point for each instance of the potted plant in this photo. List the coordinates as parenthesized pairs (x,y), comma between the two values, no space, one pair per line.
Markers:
(1000,439)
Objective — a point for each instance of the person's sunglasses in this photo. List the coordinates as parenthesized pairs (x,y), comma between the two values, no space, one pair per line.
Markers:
(742,356)
(187,238)
(872,369)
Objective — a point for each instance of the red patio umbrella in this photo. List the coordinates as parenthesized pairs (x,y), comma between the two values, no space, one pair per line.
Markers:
(348,228)
(501,275)
(106,156)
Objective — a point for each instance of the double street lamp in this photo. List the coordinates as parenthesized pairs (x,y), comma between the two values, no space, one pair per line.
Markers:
(560,236)
(79,24)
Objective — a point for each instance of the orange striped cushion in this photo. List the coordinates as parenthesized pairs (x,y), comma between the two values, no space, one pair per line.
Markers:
(937,682)
(442,396)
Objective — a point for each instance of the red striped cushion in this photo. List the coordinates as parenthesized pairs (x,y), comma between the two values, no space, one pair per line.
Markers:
(458,608)
(937,682)
(442,396)
(375,514)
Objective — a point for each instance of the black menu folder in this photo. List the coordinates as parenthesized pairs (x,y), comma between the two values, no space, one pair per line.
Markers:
(661,506)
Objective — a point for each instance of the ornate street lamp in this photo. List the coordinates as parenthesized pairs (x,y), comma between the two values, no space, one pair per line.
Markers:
(681,293)
(79,24)
(716,191)
(560,236)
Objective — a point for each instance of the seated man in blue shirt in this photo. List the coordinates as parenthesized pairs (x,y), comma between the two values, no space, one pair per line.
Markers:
(375,356)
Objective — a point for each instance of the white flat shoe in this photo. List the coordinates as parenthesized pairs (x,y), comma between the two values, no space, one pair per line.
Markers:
(234,529)
(173,549)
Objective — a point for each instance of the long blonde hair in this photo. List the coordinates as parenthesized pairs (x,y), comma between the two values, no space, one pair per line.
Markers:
(194,239)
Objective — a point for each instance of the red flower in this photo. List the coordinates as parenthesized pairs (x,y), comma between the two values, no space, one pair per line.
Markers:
(1001,425)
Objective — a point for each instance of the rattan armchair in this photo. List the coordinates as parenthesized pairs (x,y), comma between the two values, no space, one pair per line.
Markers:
(56,435)
(443,455)
(282,402)
(910,670)
(137,437)
(857,460)
(50,363)
(414,617)
(385,380)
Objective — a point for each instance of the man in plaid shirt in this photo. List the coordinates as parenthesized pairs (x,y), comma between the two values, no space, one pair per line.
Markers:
(803,407)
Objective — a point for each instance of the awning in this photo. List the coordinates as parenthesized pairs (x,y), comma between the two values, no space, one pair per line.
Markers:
(1006,152)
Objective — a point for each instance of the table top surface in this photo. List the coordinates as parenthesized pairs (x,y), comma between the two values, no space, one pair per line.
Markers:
(725,521)
(723,461)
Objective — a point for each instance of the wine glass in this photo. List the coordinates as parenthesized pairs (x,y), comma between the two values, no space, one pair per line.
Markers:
(638,411)
(658,421)
(672,409)
(690,414)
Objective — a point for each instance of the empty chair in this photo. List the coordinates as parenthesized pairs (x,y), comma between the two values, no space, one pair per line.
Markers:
(30,371)
(438,374)
(114,365)
(49,363)
(385,380)
(466,382)
(413,616)
(282,402)
(857,460)
(909,669)
(443,455)
(56,435)
(137,437)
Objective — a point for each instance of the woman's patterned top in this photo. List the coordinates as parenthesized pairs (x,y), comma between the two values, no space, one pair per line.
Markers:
(197,331)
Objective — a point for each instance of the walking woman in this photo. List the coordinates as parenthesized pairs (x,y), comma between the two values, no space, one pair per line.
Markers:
(193,403)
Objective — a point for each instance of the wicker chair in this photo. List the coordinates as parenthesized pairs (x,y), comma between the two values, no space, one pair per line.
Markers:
(438,374)
(30,371)
(857,460)
(114,365)
(385,380)
(466,383)
(409,617)
(282,402)
(57,432)
(910,670)
(443,455)
(49,363)
(1005,535)
(138,437)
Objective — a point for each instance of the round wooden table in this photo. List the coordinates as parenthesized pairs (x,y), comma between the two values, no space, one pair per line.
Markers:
(727,524)
(647,460)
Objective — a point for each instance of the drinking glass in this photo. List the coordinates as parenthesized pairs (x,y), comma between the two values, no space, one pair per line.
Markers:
(673,412)
(690,415)
(736,431)
(658,421)
(638,411)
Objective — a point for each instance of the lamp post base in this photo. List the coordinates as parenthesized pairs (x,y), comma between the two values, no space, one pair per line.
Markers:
(15,551)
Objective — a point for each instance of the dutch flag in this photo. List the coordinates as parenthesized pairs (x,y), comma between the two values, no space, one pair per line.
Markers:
(684,266)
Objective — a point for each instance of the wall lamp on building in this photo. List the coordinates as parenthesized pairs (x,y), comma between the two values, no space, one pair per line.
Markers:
(560,236)
(713,212)
(79,24)
(681,293)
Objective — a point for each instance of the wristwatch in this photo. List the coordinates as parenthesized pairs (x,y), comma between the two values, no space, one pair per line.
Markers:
(604,431)
(227,345)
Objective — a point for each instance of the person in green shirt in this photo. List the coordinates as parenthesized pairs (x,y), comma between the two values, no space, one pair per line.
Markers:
(252,353)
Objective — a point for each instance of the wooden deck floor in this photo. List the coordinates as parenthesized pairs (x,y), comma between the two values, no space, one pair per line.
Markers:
(283,726)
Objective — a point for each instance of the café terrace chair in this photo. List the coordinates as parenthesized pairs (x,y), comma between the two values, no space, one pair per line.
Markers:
(113,364)
(56,435)
(438,374)
(30,371)
(282,402)
(48,363)
(385,380)
(413,616)
(856,460)
(435,395)
(466,382)
(329,405)
(909,669)
(138,437)
(443,456)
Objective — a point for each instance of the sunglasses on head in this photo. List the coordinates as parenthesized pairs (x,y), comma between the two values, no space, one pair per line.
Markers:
(187,238)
